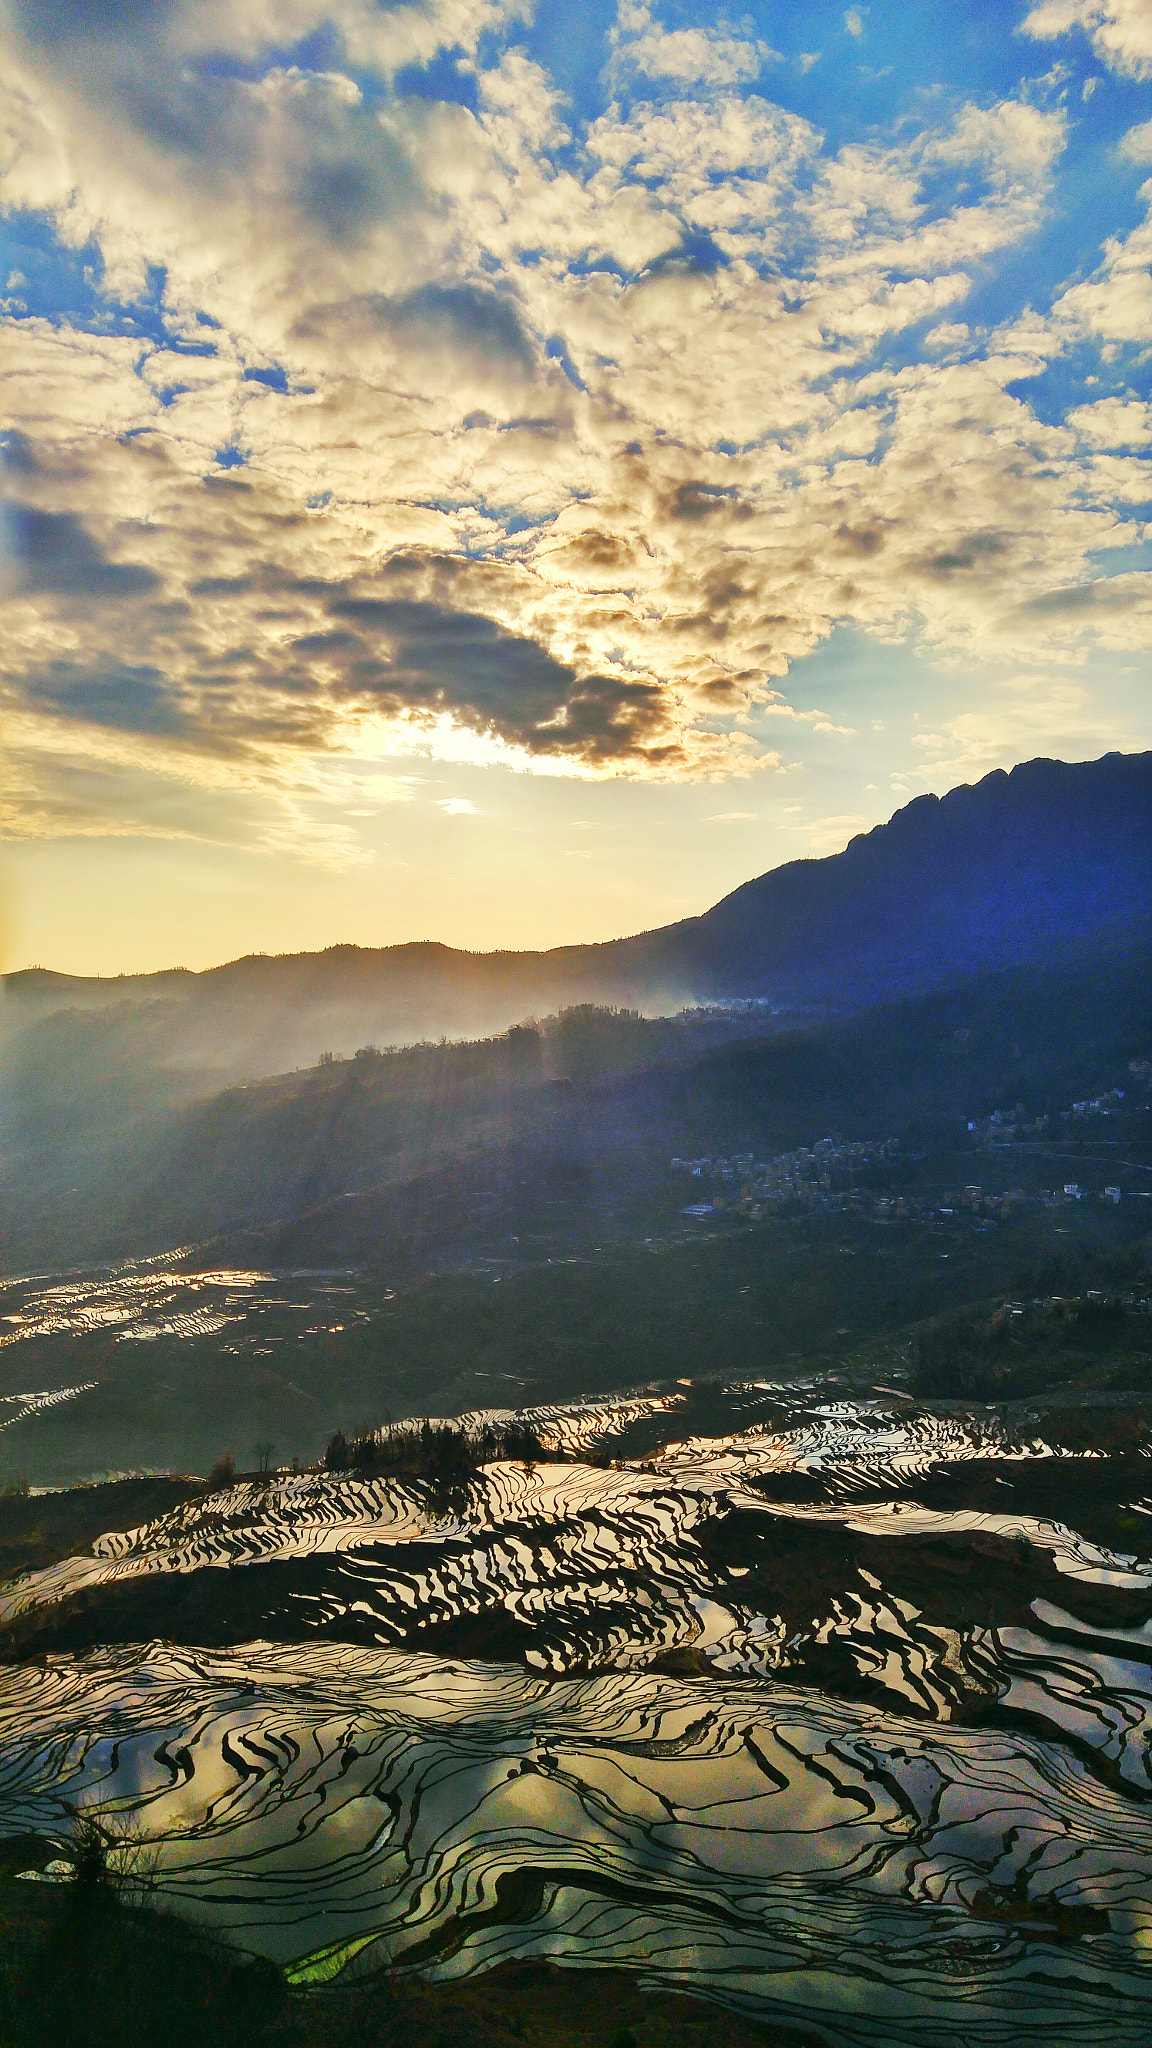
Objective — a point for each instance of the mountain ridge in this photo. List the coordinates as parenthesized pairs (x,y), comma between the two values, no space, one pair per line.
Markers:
(994,873)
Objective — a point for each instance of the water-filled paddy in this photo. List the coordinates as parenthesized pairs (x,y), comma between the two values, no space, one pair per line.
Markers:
(776,1713)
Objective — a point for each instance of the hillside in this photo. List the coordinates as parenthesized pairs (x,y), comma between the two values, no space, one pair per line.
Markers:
(975,950)
(1017,868)
(393,1159)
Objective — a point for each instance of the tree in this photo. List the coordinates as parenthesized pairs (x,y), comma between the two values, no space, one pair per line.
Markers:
(336,1456)
(525,1051)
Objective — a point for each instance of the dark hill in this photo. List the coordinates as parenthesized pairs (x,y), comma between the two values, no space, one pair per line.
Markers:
(1016,869)
(393,1161)
(1009,870)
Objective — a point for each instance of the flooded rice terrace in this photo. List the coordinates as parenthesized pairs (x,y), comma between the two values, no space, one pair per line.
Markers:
(834,1710)
(139,1367)
(140,1303)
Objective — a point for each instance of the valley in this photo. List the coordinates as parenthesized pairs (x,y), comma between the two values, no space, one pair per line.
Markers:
(652,1502)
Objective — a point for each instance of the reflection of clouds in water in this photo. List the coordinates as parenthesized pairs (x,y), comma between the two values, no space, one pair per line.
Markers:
(198,1324)
(573,1426)
(854,1445)
(798,1856)
(571,1569)
(802,1856)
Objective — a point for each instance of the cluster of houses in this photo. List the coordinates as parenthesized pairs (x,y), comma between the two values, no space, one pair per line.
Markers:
(1009,1126)
(815,1177)
(820,1181)
(824,1177)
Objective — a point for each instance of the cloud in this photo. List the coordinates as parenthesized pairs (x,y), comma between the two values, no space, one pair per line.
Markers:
(1028,714)
(831,835)
(1120,30)
(552,442)
(1115,304)
(854,22)
(1136,145)
(51,793)
(378,39)
(457,807)
(690,56)
(1114,423)
(52,553)
(950,334)
(405,655)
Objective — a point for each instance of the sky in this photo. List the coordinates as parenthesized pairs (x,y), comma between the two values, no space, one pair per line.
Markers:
(506,474)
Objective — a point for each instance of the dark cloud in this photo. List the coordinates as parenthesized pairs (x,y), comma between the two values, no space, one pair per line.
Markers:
(18,454)
(470,321)
(1103,596)
(974,550)
(595,549)
(695,500)
(331,644)
(265,579)
(483,323)
(186,116)
(861,540)
(58,557)
(1081,597)
(427,656)
(52,22)
(113,694)
(353,176)
(340,195)
(701,624)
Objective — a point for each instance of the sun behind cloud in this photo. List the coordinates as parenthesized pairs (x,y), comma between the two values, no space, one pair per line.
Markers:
(381,372)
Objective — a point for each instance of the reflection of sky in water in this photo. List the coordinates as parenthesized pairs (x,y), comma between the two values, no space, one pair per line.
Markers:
(800,1819)
(800,1857)
(22,1405)
(135,1303)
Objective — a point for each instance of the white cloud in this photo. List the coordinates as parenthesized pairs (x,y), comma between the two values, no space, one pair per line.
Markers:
(951,334)
(854,22)
(689,56)
(1030,714)
(1136,145)
(1121,30)
(543,484)
(1115,304)
(1114,423)
(831,835)
(457,807)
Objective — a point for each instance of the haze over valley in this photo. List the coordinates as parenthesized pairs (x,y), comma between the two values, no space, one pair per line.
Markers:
(788,1355)
(575,1024)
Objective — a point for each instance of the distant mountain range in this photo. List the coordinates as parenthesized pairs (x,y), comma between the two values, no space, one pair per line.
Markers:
(991,945)
(1016,869)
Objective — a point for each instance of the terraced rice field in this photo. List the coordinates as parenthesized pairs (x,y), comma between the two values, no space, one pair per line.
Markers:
(778,1715)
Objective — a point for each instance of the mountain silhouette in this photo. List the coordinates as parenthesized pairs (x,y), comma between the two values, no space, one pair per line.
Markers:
(1018,868)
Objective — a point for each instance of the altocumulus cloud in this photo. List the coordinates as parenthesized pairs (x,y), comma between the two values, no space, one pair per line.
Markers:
(569,427)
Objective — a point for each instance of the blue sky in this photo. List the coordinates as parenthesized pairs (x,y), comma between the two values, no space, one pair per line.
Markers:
(507,474)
